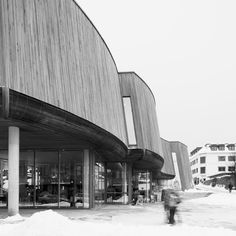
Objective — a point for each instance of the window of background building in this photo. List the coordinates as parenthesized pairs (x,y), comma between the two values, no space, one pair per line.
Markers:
(221,158)
(203,170)
(213,148)
(231,147)
(129,121)
(231,158)
(221,168)
(202,159)
(221,147)
(231,168)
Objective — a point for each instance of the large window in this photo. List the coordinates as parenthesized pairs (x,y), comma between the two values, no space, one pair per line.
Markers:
(3,178)
(26,175)
(221,168)
(46,178)
(203,170)
(71,181)
(99,180)
(202,159)
(231,158)
(129,121)
(114,182)
(231,168)
(221,158)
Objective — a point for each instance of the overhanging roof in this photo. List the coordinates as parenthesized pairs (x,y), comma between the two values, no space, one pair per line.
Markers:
(43,124)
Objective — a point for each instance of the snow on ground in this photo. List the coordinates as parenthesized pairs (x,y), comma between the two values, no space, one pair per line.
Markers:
(134,220)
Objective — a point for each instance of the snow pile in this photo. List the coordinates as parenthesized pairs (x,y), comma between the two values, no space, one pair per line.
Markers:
(48,223)
(220,199)
(13,219)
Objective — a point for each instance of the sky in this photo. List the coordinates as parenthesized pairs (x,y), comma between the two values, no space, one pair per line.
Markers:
(185,51)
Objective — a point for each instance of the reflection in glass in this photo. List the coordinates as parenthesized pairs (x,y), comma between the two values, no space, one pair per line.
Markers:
(26,174)
(3,178)
(99,178)
(142,184)
(71,181)
(114,183)
(46,178)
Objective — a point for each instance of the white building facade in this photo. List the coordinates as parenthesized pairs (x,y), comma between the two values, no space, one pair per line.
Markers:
(212,160)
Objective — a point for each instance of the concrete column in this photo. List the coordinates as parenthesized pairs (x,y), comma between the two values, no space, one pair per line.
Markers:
(130,184)
(124,183)
(86,179)
(13,170)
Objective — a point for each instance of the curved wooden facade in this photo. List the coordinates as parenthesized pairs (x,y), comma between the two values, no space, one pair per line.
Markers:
(51,51)
(60,91)
(144,111)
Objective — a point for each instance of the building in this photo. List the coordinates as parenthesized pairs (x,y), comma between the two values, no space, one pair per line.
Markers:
(74,132)
(213,161)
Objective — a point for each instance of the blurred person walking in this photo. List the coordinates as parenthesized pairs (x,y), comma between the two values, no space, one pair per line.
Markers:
(171,201)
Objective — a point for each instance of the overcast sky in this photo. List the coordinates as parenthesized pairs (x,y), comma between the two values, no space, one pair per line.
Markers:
(186,52)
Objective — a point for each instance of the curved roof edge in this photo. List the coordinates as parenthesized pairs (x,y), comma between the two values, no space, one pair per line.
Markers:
(18,107)
(132,72)
(144,158)
(97,32)
(174,142)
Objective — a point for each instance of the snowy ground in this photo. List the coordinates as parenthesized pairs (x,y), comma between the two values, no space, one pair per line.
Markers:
(211,215)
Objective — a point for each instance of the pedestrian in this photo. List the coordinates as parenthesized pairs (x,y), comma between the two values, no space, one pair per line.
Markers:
(171,202)
(230,186)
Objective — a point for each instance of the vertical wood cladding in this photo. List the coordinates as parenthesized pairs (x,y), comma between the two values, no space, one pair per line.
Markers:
(51,51)
(144,111)
(168,167)
(183,164)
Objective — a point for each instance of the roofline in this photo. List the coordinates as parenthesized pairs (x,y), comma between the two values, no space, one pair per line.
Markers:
(174,142)
(97,32)
(132,72)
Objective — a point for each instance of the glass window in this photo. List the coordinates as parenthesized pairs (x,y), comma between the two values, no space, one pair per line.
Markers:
(114,182)
(3,177)
(221,147)
(203,170)
(99,181)
(202,159)
(231,147)
(71,179)
(26,181)
(231,158)
(221,168)
(221,158)
(129,121)
(46,178)
(213,148)
(231,168)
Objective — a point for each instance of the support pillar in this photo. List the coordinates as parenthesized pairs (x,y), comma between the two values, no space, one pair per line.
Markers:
(86,179)
(130,184)
(13,170)
(124,183)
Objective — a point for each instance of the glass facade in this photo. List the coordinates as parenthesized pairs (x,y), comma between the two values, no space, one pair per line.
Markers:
(46,178)
(114,183)
(99,181)
(142,184)
(3,178)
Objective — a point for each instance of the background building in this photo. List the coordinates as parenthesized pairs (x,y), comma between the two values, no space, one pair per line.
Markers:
(74,132)
(213,161)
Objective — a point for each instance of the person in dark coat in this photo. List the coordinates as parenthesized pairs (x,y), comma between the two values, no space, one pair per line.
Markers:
(230,186)
(171,201)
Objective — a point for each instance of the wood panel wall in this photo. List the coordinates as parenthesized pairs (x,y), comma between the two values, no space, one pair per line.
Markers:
(144,111)
(181,151)
(168,167)
(51,51)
